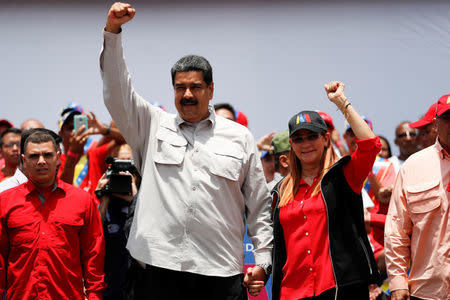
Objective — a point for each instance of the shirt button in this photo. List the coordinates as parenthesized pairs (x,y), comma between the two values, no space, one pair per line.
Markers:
(196,150)
(309,251)
(301,202)
(194,188)
(304,217)
(310,269)
(307,233)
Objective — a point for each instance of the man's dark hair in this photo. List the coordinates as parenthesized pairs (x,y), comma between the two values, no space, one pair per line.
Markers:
(9,130)
(38,136)
(193,63)
(226,106)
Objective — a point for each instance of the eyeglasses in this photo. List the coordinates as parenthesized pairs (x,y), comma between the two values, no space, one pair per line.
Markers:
(407,133)
(12,144)
(300,139)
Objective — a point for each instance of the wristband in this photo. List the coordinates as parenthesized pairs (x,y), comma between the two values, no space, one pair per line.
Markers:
(108,131)
(73,155)
(339,144)
(345,108)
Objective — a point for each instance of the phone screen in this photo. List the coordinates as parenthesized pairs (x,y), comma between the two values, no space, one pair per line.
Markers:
(78,121)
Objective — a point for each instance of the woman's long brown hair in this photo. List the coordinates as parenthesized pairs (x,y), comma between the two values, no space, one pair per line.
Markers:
(290,184)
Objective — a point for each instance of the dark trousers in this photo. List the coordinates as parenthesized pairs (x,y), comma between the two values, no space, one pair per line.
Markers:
(354,291)
(163,284)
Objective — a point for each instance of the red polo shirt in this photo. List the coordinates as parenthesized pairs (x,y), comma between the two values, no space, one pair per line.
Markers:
(308,270)
(48,247)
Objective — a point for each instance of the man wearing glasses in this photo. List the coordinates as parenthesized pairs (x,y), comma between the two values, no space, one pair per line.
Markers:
(417,233)
(10,150)
(405,139)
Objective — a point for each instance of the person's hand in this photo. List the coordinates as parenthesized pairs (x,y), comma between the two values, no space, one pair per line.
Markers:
(264,144)
(254,280)
(78,140)
(95,126)
(102,182)
(384,194)
(374,291)
(400,295)
(335,92)
(118,14)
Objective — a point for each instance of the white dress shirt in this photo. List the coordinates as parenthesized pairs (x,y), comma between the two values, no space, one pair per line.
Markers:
(198,182)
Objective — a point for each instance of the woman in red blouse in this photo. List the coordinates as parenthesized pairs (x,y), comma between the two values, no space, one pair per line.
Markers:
(321,249)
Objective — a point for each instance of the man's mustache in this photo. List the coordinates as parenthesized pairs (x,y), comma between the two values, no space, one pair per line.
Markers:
(191,101)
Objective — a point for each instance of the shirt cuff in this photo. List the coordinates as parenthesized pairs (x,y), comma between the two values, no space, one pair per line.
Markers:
(262,258)
(112,38)
(369,144)
(398,283)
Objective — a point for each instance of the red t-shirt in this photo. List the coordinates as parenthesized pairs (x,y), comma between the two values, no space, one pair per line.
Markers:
(48,248)
(308,270)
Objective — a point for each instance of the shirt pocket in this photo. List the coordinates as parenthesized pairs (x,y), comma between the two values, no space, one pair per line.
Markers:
(226,161)
(66,231)
(171,147)
(22,230)
(423,197)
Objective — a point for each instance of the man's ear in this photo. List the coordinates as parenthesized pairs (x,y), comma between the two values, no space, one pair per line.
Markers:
(211,90)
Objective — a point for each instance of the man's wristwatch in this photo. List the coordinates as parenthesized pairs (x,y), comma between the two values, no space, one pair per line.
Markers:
(266,267)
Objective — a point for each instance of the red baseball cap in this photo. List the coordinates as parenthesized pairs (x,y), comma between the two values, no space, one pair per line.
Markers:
(4,122)
(328,120)
(427,118)
(443,105)
(241,118)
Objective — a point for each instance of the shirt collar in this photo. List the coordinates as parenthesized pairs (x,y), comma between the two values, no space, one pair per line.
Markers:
(211,117)
(30,187)
(444,154)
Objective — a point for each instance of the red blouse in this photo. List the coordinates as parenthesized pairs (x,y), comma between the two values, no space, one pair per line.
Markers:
(308,271)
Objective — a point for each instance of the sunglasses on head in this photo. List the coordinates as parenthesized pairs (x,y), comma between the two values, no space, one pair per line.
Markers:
(301,138)
(407,133)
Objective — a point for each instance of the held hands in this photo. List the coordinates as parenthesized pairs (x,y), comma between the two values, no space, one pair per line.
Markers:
(254,280)
(335,92)
(118,14)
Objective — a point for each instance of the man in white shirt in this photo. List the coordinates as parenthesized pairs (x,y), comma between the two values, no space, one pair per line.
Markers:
(201,175)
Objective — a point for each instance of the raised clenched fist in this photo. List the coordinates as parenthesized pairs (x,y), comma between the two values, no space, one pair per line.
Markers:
(335,92)
(118,14)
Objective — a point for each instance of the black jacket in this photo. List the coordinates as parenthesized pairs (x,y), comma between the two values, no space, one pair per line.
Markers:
(351,254)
